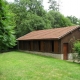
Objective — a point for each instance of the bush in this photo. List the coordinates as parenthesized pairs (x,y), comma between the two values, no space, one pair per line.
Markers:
(77,49)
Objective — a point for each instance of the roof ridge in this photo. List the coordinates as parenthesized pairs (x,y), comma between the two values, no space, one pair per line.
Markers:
(69,31)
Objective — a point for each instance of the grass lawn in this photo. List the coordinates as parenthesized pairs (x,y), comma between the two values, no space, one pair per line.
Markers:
(23,66)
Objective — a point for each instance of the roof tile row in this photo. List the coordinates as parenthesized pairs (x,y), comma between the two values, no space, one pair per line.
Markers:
(55,33)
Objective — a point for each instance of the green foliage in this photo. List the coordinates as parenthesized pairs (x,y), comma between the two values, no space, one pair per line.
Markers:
(73,19)
(77,50)
(31,22)
(77,47)
(53,5)
(7,38)
(57,19)
(29,16)
(78,21)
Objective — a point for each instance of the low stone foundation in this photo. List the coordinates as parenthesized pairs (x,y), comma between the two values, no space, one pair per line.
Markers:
(72,56)
(59,56)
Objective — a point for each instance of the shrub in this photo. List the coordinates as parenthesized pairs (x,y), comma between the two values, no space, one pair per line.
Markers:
(77,48)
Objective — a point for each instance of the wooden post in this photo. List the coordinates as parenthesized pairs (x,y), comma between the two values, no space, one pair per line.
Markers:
(56,47)
(42,46)
(31,45)
(18,45)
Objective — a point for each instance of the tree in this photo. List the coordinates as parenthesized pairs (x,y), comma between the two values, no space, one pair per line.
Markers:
(73,19)
(53,5)
(29,16)
(7,38)
(79,22)
(57,19)
(77,49)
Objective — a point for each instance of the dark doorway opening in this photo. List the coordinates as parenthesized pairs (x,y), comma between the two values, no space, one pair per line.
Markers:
(52,43)
(39,46)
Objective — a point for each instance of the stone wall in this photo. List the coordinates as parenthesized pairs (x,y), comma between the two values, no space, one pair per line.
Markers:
(58,56)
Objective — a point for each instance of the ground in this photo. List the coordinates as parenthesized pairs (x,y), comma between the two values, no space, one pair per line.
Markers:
(24,66)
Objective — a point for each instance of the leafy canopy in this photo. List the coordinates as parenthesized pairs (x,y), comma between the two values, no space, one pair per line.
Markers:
(7,38)
(30,15)
(77,47)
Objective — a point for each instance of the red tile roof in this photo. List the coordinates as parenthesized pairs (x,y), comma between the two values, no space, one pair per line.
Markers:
(56,33)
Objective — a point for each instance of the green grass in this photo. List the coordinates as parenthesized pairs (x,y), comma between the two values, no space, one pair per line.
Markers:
(23,66)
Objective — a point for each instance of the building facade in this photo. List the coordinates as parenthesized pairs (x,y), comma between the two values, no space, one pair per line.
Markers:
(54,41)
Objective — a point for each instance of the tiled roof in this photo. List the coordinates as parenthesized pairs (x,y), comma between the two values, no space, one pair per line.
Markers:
(55,33)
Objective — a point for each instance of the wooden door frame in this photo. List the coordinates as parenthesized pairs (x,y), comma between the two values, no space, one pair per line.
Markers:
(65,54)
